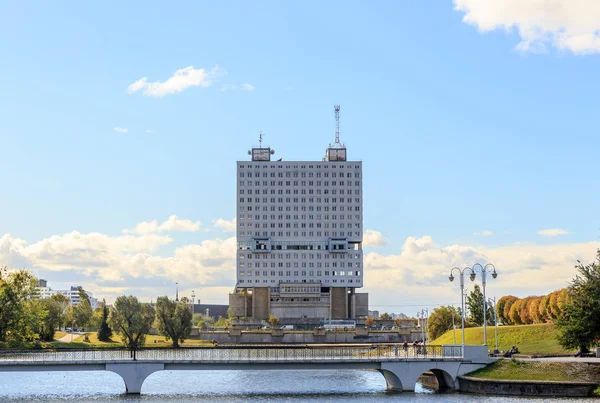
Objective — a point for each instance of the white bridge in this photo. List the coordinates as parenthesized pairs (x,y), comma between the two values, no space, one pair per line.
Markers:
(401,368)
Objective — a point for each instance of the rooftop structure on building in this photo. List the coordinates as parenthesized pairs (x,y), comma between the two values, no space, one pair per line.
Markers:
(299,236)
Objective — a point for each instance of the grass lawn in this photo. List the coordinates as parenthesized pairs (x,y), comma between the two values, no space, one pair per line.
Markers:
(511,369)
(58,335)
(151,341)
(530,339)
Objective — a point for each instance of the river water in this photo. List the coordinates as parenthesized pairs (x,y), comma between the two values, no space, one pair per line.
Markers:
(320,386)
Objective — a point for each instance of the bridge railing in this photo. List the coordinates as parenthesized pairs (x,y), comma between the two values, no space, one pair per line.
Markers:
(372,353)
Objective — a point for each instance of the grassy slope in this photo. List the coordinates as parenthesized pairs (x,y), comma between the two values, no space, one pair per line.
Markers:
(539,371)
(530,339)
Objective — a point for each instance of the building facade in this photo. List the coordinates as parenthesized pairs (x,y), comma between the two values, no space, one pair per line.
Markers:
(299,238)
(43,291)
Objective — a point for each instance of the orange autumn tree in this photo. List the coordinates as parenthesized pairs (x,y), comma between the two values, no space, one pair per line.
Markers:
(533,309)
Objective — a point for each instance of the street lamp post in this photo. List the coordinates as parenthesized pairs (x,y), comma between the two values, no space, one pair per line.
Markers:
(420,322)
(453,325)
(493,301)
(424,320)
(484,270)
(462,293)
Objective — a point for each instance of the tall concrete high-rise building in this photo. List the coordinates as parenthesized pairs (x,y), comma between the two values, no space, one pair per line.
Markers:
(299,238)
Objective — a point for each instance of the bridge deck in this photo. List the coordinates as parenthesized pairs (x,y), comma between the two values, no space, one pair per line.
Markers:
(235,355)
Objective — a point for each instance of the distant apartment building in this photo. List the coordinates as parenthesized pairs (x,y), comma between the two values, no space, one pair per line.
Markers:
(43,291)
(299,237)
(373,314)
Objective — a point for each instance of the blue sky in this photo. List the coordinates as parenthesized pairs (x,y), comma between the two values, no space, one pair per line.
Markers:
(461,127)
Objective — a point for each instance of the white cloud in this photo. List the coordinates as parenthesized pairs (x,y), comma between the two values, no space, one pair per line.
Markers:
(374,239)
(552,232)
(572,25)
(234,87)
(182,79)
(121,129)
(173,223)
(149,131)
(417,275)
(226,225)
(125,262)
(484,233)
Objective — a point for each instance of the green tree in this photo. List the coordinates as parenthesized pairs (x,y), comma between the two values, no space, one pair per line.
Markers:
(222,322)
(69,317)
(82,313)
(174,319)
(273,320)
(16,287)
(104,332)
(475,304)
(132,320)
(385,316)
(63,306)
(49,323)
(440,321)
(32,320)
(96,319)
(579,324)
(83,296)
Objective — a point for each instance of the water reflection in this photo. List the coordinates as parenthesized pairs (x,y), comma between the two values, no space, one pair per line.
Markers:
(223,386)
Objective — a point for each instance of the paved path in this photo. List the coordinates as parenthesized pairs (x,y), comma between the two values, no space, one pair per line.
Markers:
(68,337)
(593,360)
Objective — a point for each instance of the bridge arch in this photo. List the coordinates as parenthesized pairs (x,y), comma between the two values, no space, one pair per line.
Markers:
(392,380)
(442,378)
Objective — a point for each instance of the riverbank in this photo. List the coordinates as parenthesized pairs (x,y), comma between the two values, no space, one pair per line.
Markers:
(534,378)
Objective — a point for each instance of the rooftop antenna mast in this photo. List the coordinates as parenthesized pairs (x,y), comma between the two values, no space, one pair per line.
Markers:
(336,108)
(260,139)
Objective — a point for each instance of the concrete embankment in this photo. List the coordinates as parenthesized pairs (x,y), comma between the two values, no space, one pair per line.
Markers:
(251,337)
(526,388)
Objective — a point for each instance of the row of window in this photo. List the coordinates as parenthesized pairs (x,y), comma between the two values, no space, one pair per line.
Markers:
(249,281)
(299,184)
(301,200)
(280,166)
(302,217)
(279,299)
(279,200)
(297,191)
(300,264)
(296,208)
(288,273)
(296,174)
(272,256)
(299,233)
(298,225)
(287,289)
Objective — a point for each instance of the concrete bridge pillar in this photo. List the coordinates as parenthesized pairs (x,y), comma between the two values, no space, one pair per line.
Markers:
(134,373)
